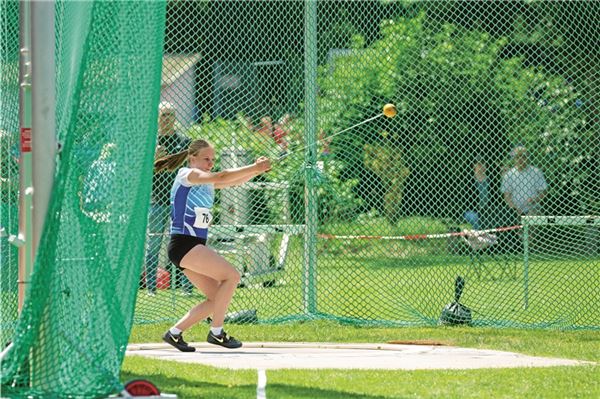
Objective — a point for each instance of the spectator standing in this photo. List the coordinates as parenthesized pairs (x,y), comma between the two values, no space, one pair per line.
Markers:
(265,127)
(523,185)
(169,141)
(478,214)
(96,195)
(280,133)
(277,132)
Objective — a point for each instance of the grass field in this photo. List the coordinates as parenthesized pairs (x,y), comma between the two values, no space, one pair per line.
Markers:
(369,291)
(197,381)
(399,283)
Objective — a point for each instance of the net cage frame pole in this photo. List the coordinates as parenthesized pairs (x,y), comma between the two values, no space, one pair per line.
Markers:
(43,96)
(525,262)
(22,241)
(310,193)
(37,129)
(528,221)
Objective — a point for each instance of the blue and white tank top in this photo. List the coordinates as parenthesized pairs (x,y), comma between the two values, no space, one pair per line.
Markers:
(190,206)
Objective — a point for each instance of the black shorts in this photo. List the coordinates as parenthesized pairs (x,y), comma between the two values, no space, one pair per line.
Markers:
(180,245)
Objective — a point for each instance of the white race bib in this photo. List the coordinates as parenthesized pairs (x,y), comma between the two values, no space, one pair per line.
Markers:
(203,217)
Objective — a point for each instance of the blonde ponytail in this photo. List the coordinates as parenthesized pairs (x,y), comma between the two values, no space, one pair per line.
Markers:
(170,162)
(173,162)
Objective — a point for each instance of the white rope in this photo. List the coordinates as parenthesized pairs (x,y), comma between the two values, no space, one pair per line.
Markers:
(414,237)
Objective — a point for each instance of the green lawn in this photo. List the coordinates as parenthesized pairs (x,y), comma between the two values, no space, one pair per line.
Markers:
(197,381)
(380,286)
(366,290)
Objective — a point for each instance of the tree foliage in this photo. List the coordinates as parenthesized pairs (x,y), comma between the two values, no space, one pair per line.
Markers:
(469,79)
(459,96)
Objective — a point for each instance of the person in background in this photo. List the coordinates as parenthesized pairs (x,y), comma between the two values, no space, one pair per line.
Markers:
(192,197)
(169,141)
(280,133)
(265,127)
(277,132)
(96,196)
(326,142)
(523,186)
(479,191)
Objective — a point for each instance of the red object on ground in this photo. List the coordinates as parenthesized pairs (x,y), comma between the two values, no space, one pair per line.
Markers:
(163,279)
(141,388)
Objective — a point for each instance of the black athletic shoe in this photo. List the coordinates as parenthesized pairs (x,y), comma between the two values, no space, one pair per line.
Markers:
(223,340)
(177,342)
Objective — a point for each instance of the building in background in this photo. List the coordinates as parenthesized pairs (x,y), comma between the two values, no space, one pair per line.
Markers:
(178,85)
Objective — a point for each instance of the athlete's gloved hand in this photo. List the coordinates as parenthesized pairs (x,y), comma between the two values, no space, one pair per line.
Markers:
(263,164)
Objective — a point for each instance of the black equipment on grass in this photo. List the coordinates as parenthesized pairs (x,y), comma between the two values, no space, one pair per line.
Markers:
(456,313)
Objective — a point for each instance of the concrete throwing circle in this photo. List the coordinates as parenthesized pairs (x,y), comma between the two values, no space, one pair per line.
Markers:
(281,355)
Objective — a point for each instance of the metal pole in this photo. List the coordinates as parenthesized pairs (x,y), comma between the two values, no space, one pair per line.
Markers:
(37,126)
(310,194)
(23,238)
(524,222)
(43,118)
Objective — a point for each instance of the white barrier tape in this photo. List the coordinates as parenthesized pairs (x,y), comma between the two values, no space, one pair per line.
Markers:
(415,237)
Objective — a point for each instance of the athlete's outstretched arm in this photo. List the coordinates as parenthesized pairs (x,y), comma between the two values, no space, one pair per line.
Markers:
(241,180)
(230,176)
(237,182)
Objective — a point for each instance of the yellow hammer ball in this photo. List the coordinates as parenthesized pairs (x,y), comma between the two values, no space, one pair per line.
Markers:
(390,110)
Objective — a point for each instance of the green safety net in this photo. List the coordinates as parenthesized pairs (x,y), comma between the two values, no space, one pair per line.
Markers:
(370,220)
(71,335)
(482,189)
